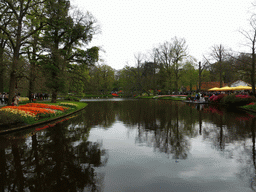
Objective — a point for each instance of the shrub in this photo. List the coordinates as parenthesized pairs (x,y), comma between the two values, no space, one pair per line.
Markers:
(24,102)
(238,100)
(71,98)
(250,106)
(217,98)
(7,118)
(12,116)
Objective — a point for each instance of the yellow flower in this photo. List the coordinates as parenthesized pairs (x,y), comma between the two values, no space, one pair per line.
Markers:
(24,99)
(16,111)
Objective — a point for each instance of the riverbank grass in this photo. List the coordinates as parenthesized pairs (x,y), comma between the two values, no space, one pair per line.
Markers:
(31,113)
(174,98)
(145,97)
(250,106)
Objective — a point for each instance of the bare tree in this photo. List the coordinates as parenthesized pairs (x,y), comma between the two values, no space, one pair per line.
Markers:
(138,60)
(179,49)
(202,67)
(170,55)
(164,55)
(250,35)
(218,55)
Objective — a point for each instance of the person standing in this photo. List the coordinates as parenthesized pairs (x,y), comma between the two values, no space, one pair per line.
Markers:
(16,100)
(3,98)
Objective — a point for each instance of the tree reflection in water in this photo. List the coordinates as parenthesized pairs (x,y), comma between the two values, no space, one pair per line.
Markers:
(161,125)
(62,159)
(56,159)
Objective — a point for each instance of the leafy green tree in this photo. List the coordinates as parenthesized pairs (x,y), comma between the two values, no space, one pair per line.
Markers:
(242,64)
(189,75)
(148,76)
(64,35)
(17,32)
(170,56)
(128,80)
(4,21)
(102,78)
(78,78)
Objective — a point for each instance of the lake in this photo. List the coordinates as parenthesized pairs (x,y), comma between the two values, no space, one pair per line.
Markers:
(134,145)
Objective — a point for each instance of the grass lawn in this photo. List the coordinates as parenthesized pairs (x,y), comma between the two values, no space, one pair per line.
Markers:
(145,97)
(251,106)
(173,98)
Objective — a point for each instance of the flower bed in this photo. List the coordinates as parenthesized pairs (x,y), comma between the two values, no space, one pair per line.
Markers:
(237,100)
(45,106)
(217,98)
(30,112)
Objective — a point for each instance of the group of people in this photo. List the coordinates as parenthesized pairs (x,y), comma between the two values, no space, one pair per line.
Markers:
(205,95)
(39,96)
(4,97)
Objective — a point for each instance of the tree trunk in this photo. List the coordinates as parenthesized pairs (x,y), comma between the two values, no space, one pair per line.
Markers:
(200,72)
(1,70)
(176,86)
(13,78)
(54,96)
(16,51)
(253,69)
(220,63)
(32,71)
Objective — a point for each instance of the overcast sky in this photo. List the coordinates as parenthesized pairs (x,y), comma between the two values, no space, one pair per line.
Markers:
(137,26)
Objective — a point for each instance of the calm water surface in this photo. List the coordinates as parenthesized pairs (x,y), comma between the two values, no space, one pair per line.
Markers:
(134,145)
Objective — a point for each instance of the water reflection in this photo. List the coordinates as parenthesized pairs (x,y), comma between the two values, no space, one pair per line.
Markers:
(135,145)
(55,159)
(168,128)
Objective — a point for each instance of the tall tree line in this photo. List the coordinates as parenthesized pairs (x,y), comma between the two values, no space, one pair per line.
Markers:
(44,35)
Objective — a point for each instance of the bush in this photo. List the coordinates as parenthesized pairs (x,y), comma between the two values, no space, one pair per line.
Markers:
(238,100)
(188,97)
(24,102)
(217,98)
(71,98)
(8,118)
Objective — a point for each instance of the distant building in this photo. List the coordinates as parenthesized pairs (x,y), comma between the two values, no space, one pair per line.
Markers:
(238,83)
(208,85)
